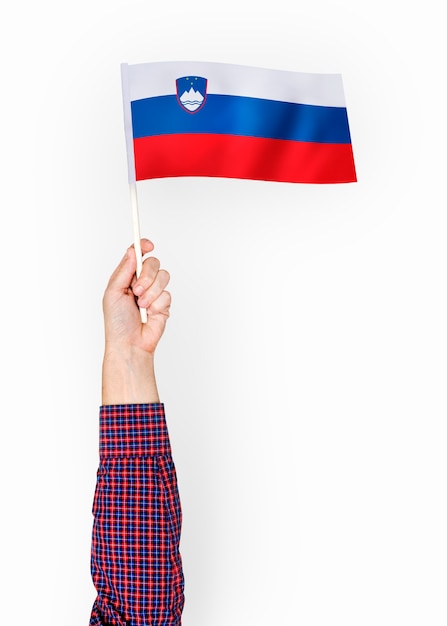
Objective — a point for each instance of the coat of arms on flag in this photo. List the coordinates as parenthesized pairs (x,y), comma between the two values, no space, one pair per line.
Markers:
(191,92)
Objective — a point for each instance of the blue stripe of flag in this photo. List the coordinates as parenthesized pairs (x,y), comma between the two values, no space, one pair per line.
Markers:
(242,116)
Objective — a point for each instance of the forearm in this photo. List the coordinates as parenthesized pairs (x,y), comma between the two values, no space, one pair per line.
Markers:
(128,377)
(136,563)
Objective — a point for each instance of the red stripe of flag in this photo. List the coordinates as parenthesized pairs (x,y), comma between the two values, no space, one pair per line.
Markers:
(231,156)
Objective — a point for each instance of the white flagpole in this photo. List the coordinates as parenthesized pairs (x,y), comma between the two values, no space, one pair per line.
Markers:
(131,171)
(136,238)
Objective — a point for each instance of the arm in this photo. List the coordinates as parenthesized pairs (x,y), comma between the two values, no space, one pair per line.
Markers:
(136,564)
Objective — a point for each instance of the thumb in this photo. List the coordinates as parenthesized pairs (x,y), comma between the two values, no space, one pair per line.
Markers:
(123,274)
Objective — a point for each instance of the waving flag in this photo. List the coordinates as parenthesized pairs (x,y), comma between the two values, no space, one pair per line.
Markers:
(233,121)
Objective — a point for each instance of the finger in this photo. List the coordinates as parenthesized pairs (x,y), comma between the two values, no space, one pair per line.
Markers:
(124,273)
(158,314)
(146,246)
(147,276)
(161,305)
(155,289)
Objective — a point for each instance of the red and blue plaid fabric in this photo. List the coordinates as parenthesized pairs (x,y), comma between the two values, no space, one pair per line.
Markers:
(135,562)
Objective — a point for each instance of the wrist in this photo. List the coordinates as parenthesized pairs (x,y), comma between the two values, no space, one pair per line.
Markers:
(128,376)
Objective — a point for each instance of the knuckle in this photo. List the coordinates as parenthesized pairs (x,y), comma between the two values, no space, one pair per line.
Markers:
(153,263)
(165,276)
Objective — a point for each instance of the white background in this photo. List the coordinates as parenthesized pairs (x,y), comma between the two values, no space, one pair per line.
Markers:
(304,365)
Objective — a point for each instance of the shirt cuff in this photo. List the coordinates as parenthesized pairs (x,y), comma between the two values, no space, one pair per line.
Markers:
(133,430)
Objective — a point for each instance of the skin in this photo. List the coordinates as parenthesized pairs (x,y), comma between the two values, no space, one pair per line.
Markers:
(128,366)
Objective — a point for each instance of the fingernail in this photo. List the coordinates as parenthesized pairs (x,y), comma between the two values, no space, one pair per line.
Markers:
(138,290)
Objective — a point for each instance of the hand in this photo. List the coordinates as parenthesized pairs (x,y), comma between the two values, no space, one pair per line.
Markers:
(128,368)
(124,294)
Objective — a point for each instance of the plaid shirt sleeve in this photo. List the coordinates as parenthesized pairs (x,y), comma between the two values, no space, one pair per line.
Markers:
(135,560)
